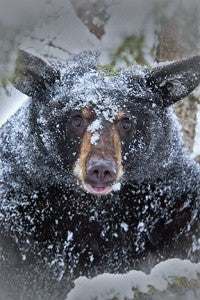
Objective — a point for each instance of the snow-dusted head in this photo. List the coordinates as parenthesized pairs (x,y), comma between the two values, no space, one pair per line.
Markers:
(105,129)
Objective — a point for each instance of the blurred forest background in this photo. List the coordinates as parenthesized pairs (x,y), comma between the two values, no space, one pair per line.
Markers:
(124,31)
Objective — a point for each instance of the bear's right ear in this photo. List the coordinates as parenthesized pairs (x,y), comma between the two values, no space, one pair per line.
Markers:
(33,76)
(175,80)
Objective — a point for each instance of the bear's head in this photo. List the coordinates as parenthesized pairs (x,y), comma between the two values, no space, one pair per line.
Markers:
(106,129)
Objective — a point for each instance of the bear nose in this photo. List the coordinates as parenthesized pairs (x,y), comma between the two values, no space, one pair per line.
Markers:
(101,171)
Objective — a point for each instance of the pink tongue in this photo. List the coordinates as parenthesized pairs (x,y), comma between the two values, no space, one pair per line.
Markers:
(98,190)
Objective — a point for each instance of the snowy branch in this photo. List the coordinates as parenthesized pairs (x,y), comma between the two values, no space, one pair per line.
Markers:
(172,279)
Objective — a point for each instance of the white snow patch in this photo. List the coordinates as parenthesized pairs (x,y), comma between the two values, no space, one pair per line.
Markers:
(94,128)
(124,226)
(141,226)
(69,236)
(91,258)
(96,125)
(23,257)
(95,137)
(116,186)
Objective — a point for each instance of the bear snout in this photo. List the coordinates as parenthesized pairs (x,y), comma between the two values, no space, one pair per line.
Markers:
(101,171)
(101,174)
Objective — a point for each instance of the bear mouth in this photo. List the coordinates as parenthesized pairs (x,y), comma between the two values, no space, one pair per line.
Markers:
(98,190)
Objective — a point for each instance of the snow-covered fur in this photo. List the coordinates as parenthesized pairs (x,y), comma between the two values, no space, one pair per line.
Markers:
(51,229)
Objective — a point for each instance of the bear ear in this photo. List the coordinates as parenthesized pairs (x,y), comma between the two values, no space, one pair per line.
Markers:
(33,76)
(176,80)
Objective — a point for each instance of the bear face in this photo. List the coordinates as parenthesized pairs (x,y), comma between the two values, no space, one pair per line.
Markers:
(93,127)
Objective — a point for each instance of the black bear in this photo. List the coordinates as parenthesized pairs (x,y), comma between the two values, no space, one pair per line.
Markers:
(94,176)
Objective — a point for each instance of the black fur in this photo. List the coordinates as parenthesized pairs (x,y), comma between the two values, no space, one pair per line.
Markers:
(51,230)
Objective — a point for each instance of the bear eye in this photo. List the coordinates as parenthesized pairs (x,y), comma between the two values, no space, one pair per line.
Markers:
(126,124)
(77,121)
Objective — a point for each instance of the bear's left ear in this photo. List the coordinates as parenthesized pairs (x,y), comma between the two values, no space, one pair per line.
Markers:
(33,76)
(176,80)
